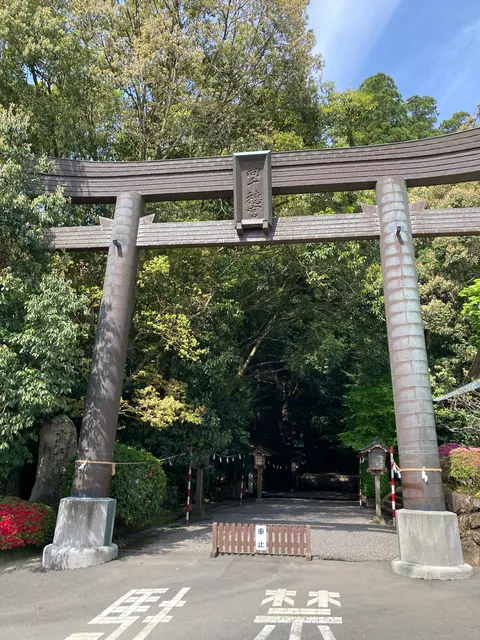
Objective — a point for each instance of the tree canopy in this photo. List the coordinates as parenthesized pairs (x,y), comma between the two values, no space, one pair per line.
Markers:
(227,346)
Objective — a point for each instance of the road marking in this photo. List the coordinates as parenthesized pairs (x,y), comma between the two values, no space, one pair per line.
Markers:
(324,598)
(133,602)
(291,619)
(296,617)
(327,633)
(279,596)
(287,611)
(163,616)
(296,630)
(85,636)
(265,632)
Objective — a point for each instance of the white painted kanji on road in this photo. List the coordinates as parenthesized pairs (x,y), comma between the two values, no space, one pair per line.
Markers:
(123,613)
(317,611)
(278,596)
(324,598)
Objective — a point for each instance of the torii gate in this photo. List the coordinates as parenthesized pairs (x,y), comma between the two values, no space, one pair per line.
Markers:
(429,543)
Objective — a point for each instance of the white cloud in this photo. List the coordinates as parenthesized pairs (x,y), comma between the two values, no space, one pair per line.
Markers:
(346,32)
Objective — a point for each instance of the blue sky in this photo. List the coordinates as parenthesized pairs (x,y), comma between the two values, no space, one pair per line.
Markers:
(429,47)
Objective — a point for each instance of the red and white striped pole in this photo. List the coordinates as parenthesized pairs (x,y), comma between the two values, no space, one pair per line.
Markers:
(189,490)
(392,482)
(241,490)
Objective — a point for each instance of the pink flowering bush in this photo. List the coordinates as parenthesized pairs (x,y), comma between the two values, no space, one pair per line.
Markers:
(24,523)
(447,448)
(460,466)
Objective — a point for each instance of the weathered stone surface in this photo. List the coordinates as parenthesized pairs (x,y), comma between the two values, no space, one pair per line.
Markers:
(58,444)
(475,535)
(474,520)
(83,535)
(428,537)
(461,502)
(464,524)
(429,546)
(471,551)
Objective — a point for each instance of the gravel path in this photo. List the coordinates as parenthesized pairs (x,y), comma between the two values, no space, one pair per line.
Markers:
(340,530)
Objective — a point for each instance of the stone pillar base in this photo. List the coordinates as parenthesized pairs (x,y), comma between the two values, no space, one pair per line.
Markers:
(378,520)
(429,546)
(59,558)
(83,534)
(198,513)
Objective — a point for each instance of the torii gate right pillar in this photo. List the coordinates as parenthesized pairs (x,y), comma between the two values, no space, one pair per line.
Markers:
(428,535)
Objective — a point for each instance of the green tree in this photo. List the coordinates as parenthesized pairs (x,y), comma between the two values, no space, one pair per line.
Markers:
(459,121)
(471,307)
(196,76)
(389,121)
(423,115)
(346,113)
(40,314)
(376,113)
(47,66)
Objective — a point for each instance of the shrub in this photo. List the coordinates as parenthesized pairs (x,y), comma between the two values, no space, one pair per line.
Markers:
(24,523)
(465,468)
(447,448)
(138,488)
(460,466)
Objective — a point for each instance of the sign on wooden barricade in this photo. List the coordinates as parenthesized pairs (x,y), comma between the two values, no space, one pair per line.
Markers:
(281,539)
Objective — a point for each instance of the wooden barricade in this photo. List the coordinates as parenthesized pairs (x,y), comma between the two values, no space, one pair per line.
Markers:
(282,539)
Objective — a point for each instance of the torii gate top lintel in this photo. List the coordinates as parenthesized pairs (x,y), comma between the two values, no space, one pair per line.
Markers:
(439,160)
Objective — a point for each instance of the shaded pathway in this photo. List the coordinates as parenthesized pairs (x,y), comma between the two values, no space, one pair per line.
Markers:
(340,530)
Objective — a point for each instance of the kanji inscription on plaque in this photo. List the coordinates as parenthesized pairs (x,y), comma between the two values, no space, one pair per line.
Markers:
(252,190)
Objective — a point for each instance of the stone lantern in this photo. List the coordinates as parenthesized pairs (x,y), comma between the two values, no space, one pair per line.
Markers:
(377,455)
(259,458)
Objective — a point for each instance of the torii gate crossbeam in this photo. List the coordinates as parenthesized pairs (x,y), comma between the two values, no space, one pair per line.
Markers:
(339,227)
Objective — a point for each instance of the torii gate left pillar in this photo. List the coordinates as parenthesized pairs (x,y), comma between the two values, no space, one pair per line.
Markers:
(83,534)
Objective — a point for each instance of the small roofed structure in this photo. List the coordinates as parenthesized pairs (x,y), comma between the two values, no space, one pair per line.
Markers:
(259,455)
(377,455)
(376,452)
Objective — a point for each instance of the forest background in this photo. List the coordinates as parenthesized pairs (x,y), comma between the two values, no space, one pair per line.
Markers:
(228,347)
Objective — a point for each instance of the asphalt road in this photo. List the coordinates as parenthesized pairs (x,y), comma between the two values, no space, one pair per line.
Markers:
(222,598)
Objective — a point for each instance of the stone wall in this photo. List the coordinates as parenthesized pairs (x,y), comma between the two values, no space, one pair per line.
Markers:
(467,509)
